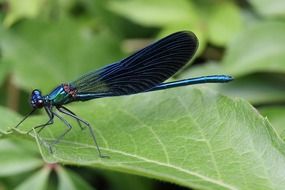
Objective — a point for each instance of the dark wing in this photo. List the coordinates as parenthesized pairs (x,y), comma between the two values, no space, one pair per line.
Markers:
(143,70)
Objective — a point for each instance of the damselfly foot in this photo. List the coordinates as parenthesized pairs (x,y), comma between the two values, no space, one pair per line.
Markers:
(104,156)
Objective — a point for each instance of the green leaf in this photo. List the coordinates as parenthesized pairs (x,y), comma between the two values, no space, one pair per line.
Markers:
(224,24)
(276,116)
(36,181)
(260,48)
(8,121)
(208,68)
(22,9)
(192,137)
(16,159)
(70,180)
(154,13)
(269,8)
(40,51)
(256,88)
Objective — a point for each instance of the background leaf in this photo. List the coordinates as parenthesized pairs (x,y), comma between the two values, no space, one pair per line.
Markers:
(16,159)
(225,22)
(269,8)
(70,180)
(36,181)
(261,48)
(154,13)
(8,120)
(51,48)
(21,9)
(257,88)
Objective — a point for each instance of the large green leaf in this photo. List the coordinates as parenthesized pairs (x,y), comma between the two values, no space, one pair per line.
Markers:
(269,8)
(260,48)
(195,138)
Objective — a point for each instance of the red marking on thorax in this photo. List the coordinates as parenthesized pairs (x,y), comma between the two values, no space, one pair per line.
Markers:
(70,90)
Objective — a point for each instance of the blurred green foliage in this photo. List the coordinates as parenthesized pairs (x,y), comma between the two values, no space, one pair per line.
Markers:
(45,43)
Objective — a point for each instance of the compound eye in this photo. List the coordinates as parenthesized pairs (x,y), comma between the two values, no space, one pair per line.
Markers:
(40,103)
(37,100)
(36,92)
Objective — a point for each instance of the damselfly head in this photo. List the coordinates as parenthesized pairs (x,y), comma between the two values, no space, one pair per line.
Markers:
(37,100)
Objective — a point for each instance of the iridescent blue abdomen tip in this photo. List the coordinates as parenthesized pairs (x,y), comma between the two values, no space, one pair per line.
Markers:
(225,78)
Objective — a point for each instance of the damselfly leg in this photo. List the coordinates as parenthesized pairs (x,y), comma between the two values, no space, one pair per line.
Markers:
(63,110)
(72,113)
(69,127)
(42,126)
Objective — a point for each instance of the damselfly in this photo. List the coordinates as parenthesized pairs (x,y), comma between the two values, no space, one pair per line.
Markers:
(144,71)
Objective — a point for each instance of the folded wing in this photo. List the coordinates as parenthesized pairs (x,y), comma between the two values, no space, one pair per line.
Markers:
(143,70)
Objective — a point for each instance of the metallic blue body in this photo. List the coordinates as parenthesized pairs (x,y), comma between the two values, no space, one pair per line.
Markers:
(167,85)
(191,81)
(58,96)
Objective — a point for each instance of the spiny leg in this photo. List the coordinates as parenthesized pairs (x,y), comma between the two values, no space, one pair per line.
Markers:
(49,122)
(63,109)
(89,127)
